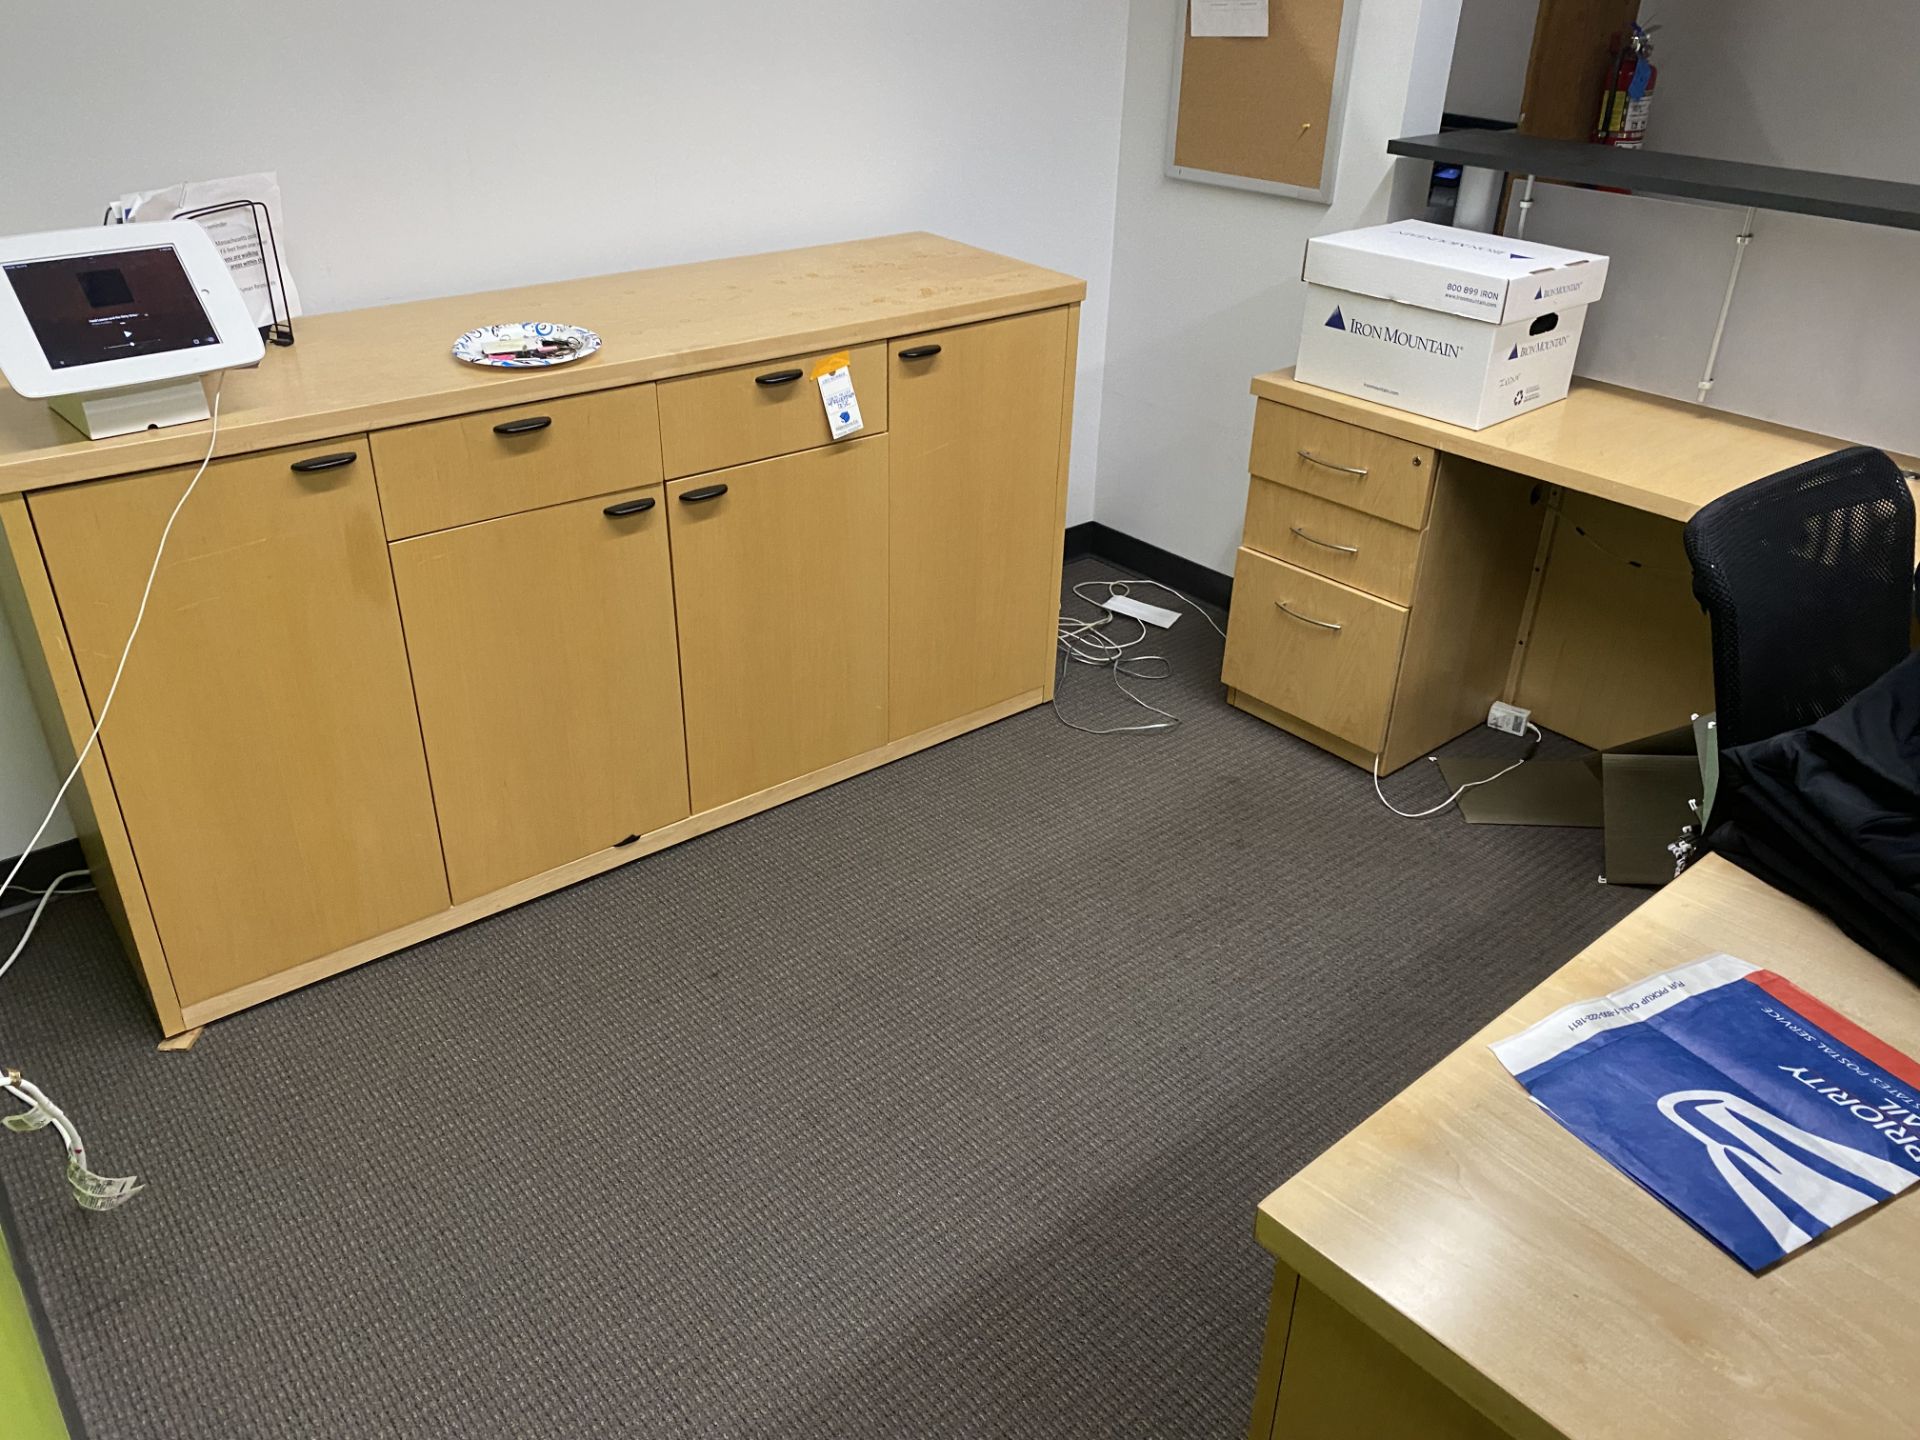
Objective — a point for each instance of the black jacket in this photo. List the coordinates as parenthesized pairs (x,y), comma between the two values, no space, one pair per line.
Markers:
(1830,813)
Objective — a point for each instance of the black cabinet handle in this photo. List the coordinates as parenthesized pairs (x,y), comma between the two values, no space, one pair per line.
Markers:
(920,352)
(705,492)
(630,507)
(523,427)
(324,462)
(777,377)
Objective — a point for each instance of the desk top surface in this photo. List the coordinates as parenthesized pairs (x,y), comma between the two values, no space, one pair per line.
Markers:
(366,369)
(1518,1266)
(1655,454)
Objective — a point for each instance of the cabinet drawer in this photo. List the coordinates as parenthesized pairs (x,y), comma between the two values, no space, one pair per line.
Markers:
(444,473)
(1343,463)
(1355,548)
(757,412)
(1313,648)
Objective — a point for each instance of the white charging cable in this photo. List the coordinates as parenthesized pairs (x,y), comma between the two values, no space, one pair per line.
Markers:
(1454,798)
(90,1190)
(25,905)
(1087,642)
(46,897)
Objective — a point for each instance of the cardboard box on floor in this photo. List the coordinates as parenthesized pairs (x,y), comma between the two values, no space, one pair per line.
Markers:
(1640,796)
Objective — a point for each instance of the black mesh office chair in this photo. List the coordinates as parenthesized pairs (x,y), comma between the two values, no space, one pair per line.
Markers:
(1807,578)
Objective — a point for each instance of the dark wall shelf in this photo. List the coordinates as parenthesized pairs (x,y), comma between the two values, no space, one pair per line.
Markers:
(1690,177)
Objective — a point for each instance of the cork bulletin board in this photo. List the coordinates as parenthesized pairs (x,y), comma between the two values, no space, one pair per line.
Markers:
(1263,113)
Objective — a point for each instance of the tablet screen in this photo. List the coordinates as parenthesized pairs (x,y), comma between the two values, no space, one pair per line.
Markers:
(88,308)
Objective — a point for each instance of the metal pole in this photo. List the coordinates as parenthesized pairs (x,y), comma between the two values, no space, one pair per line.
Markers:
(1526,204)
(1740,243)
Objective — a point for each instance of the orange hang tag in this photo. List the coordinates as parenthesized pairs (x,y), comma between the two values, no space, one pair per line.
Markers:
(834,375)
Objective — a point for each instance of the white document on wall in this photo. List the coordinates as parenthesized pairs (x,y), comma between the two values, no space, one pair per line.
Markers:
(232,231)
(1230,17)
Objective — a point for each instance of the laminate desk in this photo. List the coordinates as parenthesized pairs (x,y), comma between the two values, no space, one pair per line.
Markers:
(1398,574)
(1461,1266)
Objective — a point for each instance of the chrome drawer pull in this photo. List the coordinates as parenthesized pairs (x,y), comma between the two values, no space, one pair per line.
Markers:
(1358,471)
(1324,544)
(1308,619)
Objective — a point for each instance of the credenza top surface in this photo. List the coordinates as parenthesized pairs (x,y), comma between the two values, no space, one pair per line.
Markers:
(391,365)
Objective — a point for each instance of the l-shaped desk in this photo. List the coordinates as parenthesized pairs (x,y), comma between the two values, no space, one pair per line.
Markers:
(1398,574)
(1459,1267)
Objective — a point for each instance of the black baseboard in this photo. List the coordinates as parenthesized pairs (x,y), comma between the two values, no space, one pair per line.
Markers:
(1149,561)
(42,866)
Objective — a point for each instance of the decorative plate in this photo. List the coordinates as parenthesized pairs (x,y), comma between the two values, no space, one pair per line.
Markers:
(527,343)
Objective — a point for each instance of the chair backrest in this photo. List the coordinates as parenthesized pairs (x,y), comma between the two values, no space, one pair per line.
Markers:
(1807,578)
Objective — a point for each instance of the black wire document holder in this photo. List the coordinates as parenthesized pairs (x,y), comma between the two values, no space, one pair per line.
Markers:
(280,330)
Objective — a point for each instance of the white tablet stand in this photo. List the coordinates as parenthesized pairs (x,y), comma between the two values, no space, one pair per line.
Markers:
(114,327)
(102,413)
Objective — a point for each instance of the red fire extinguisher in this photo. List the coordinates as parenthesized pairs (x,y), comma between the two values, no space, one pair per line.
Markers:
(1628,97)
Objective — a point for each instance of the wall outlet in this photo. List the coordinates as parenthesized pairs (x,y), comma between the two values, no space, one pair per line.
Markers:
(1510,718)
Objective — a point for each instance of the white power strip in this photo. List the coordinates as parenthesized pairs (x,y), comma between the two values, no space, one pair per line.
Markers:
(1140,610)
(1509,718)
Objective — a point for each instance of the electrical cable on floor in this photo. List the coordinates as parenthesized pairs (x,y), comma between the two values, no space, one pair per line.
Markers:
(1454,798)
(25,905)
(1088,642)
(90,1190)
(46,897)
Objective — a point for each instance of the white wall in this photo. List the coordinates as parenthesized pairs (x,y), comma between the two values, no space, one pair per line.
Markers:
(1206,281)
(1490,58)
(27,780)
(1825,331)
(437,149)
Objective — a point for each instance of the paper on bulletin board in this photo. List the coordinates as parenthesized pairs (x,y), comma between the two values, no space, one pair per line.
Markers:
(232,232)
(1244,18)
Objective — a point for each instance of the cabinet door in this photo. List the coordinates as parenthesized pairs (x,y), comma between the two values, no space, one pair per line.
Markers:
(263,743)
(780,581)
(549,684)
(973,504)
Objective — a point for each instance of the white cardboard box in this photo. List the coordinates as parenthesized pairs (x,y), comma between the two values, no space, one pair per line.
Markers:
(1461,272)
(1462,371)
(1452,324)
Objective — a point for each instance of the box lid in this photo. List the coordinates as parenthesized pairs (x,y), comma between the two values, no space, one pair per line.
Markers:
(1460,272)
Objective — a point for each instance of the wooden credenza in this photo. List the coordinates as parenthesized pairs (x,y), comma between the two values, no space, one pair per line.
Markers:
(429,641)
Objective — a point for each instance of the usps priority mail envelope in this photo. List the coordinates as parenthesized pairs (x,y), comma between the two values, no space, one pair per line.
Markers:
(1751,1109)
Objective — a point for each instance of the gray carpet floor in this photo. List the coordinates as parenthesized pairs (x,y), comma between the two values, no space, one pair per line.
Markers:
(937,1103)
